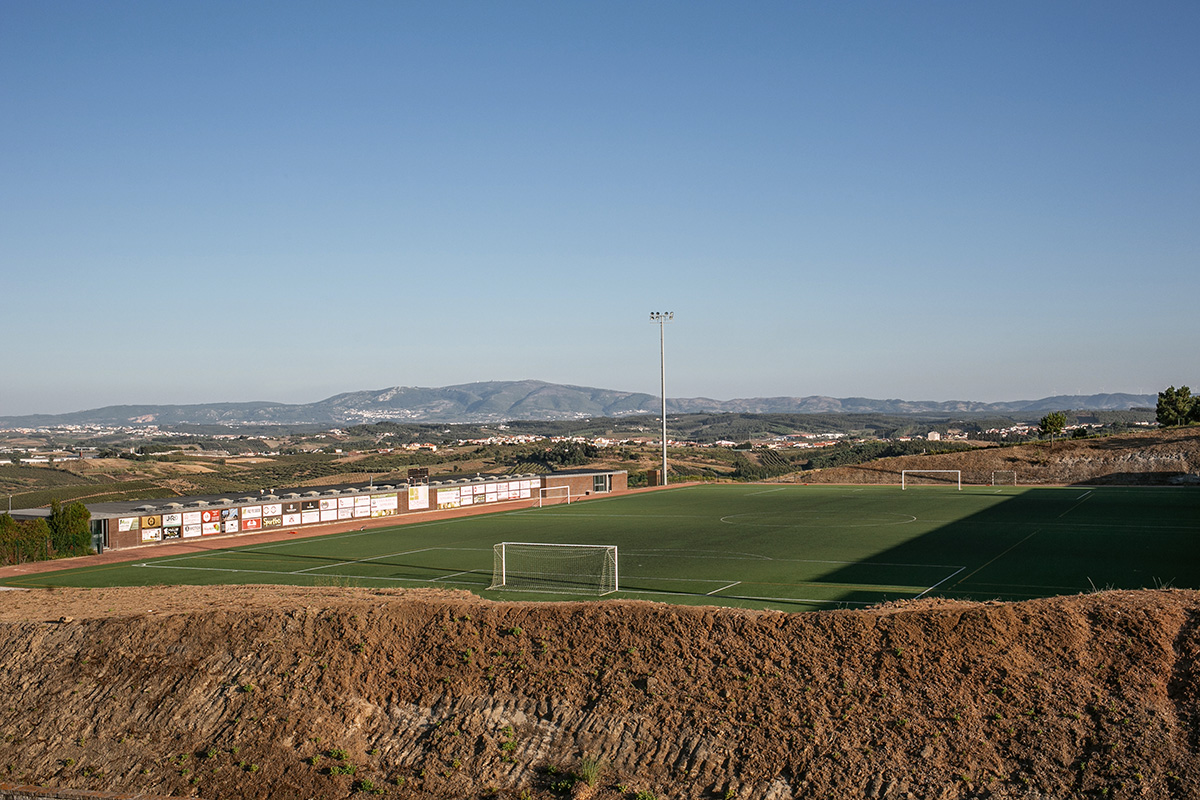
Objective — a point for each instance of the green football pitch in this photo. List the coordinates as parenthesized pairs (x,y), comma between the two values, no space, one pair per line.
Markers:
(791,548)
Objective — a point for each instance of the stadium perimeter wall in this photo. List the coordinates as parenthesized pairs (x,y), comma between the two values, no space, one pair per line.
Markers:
(124,525)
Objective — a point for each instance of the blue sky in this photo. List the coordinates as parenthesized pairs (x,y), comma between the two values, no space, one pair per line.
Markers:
(220,201)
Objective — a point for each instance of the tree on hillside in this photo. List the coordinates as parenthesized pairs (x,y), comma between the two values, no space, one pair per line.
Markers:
(1052,424)
(1177,407)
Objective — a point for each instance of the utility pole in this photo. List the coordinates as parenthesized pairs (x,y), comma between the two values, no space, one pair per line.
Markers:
(662,318)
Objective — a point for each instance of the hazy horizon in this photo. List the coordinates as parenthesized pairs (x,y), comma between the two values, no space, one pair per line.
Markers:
(670,398)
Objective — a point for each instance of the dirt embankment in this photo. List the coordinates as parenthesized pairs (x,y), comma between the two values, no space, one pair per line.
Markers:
(243,692)
(1163,457)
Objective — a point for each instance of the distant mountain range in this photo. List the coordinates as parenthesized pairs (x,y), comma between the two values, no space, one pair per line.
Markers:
(499,401)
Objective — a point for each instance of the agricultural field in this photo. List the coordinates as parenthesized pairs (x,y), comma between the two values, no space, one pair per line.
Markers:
(782,547)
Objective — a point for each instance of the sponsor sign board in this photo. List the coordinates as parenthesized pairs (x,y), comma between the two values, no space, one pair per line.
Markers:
(127,524)
(151,534)
(447,498)
(418,497)
(385,505)
(362,506)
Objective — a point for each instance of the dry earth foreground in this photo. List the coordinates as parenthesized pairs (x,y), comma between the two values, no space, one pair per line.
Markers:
(268,692)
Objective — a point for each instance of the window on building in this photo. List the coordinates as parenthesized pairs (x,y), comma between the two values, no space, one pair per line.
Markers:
(601,483)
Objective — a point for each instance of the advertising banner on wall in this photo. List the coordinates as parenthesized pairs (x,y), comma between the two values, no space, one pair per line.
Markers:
(291,513)
(251,512)
(190,531)
(251,524)
(447,498)
(125,524)
(151,534)
(172,525)
(311,517)
(192,518)
(385,505)
(152,521)
(418,497)
(362,506)
(230,520)
(272,515)
(210,521)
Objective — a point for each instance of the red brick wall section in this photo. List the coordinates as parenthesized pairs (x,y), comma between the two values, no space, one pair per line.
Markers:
(581,485)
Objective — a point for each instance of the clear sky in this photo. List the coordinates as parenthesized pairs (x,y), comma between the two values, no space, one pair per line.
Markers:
(231,201)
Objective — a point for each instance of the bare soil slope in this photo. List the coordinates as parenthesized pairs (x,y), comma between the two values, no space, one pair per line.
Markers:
(256,692)
(1170,456)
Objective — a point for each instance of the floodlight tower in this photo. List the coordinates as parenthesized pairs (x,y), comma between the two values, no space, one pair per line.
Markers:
(662,318)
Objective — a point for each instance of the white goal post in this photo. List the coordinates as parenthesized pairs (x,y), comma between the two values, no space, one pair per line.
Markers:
(1004,477)
(904,473)
(555,568)
(553,495)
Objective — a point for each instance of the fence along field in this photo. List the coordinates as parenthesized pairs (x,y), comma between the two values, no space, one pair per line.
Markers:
(784,547)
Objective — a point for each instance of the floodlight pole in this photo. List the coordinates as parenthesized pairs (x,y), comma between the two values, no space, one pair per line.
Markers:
(662,318)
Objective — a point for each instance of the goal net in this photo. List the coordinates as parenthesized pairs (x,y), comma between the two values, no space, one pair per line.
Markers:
(930,477)
(1004,477)
(553,495)
(560,568)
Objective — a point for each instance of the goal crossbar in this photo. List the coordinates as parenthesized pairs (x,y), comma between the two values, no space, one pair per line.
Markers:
(555,568)
(904,473)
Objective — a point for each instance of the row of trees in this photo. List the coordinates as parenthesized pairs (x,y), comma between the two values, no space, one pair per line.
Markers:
(66,532)
(1177,407)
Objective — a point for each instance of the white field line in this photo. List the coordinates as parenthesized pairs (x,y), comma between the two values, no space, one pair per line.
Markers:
(723,588)
(362,560)
(1077,505)
(448,577)
(984,566)
(277,572)
(391,555)
(939,583)
(804,600)
(625,554)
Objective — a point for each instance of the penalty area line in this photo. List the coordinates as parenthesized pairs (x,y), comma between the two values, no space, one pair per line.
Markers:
(939,583)
(723,588)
